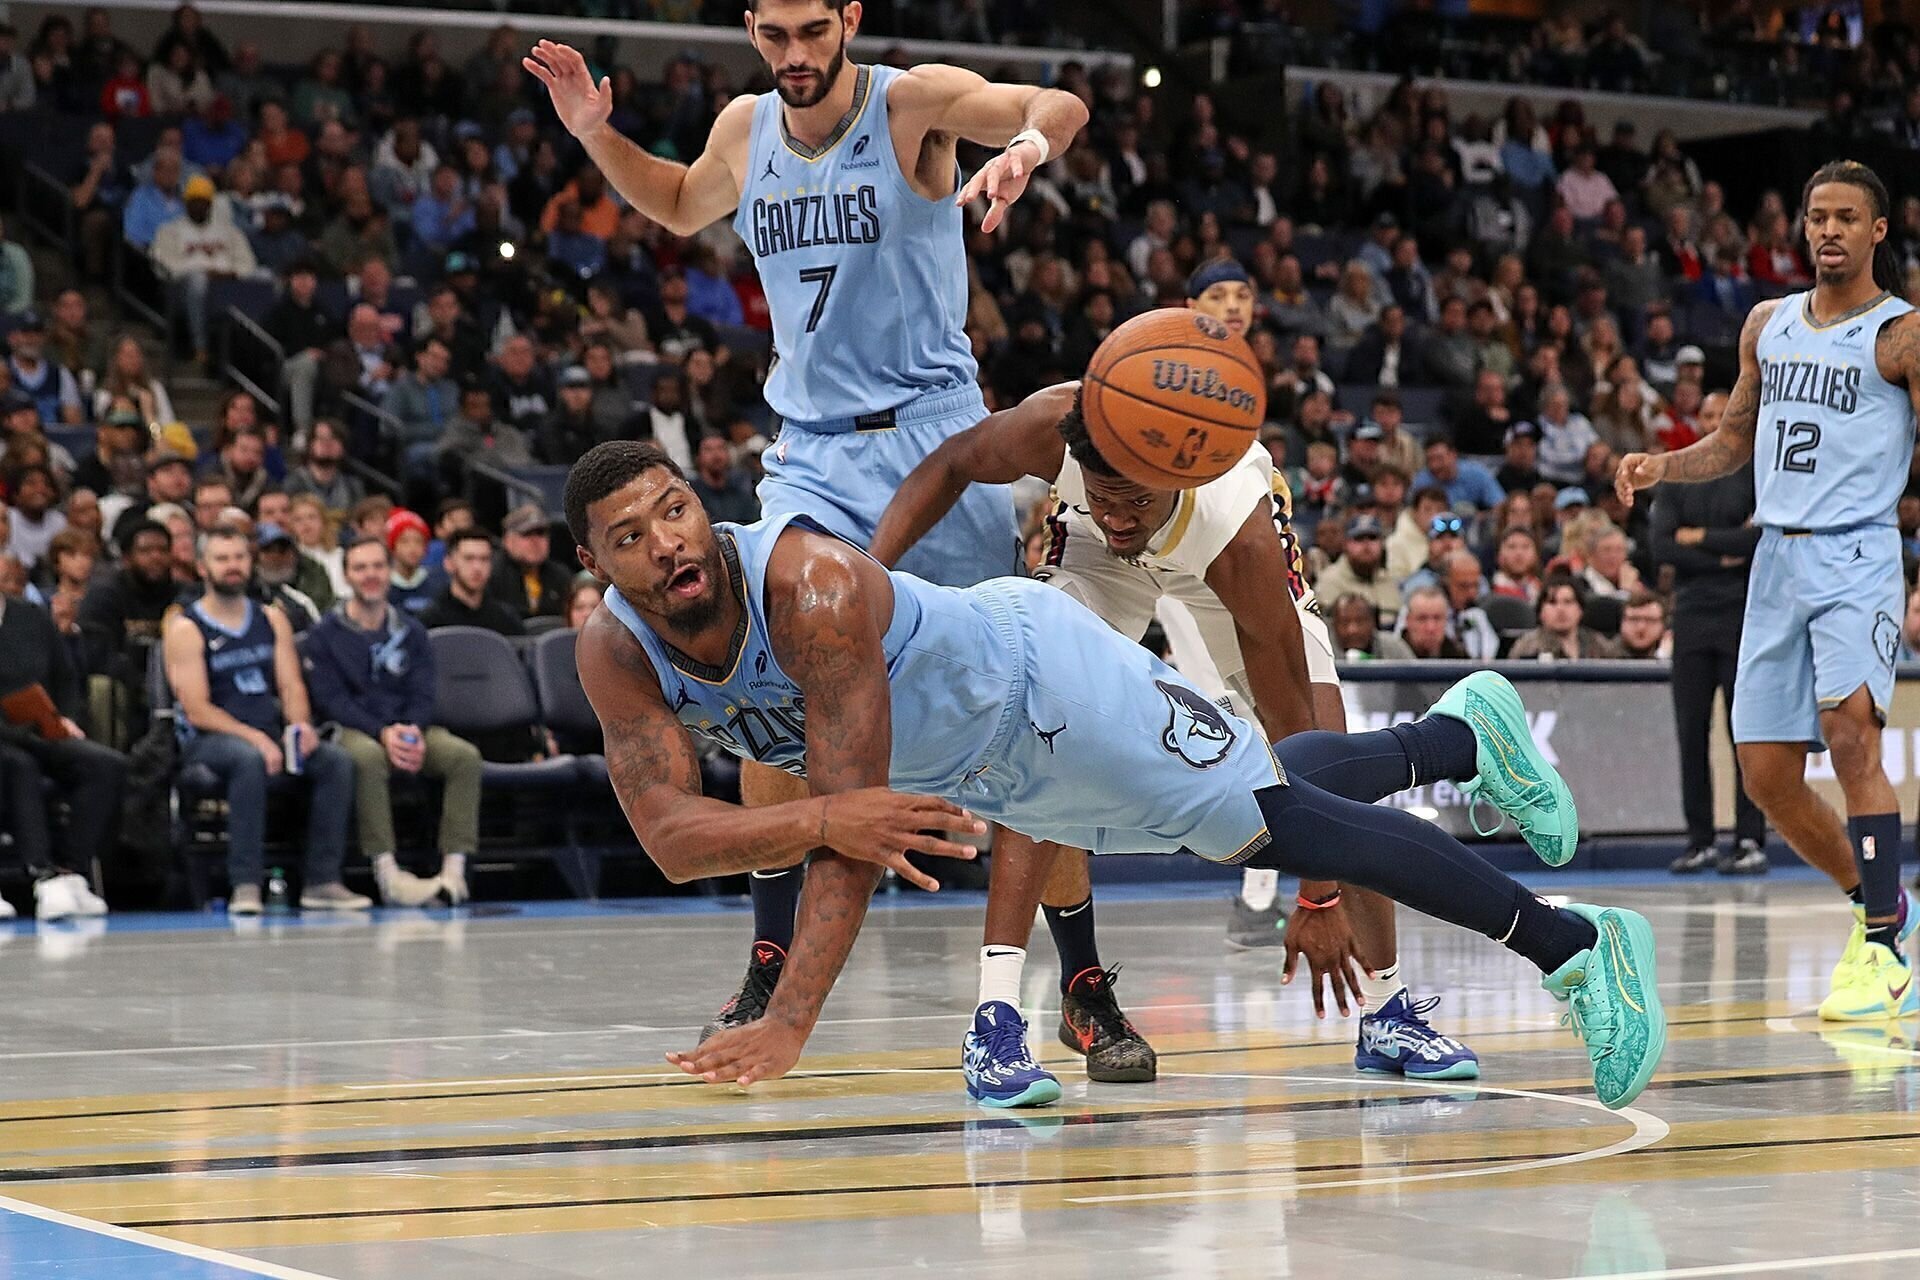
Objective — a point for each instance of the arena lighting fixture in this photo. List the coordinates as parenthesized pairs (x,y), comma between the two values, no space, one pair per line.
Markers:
(1150,77)
(506,249)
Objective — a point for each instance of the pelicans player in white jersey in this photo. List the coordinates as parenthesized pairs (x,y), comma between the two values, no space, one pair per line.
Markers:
(1121,549)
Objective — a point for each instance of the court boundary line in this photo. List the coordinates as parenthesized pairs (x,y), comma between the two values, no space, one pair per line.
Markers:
(1777,1264)
(147,1240)
(1648,1129)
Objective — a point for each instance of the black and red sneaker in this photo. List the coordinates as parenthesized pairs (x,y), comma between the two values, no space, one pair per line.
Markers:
(749,1003)
(1092,1024)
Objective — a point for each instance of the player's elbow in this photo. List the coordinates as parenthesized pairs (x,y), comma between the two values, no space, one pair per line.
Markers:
(1073,110)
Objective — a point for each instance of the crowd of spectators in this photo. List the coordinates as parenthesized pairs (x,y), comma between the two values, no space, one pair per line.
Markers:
(1463,324)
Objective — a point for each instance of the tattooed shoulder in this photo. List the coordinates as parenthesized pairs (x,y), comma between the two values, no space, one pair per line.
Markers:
(1897,350)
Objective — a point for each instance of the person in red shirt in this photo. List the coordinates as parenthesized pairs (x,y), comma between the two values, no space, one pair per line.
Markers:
(124,96)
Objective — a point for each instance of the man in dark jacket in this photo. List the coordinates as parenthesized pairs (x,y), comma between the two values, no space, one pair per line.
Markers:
(370,670)
(89,777)
(304,331)
(526,579)
(1706,532)
(464,601)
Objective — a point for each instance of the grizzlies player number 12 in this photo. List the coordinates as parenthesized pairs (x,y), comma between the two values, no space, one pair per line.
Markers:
(1793,445)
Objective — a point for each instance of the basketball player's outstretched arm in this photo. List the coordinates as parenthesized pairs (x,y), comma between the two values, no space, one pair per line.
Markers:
(1249,576)
(937,103)
(1727,449)
(827,610)
(999,449)
(682,198)
(656,775)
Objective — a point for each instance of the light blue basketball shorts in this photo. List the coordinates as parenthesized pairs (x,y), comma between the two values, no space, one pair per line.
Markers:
(843,475)
(1823,619)
(1105,747)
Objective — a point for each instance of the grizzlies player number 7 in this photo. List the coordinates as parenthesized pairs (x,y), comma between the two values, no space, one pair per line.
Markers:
(822,276)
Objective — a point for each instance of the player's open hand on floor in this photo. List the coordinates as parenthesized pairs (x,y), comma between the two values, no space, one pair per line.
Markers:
(879,825)
(762,1050)
(1326,939)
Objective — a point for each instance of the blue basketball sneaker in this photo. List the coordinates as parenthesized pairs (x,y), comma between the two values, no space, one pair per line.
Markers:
(999,1068)
(1397,1041)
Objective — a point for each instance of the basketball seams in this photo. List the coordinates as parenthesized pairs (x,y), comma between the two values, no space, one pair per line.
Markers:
(1109,440)
(1258,391)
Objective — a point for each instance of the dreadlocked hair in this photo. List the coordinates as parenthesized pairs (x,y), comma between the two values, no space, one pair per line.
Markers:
(1886,268)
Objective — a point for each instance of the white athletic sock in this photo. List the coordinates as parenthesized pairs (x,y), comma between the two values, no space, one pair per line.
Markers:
(1258,888)
(453,864)
(1381,987)
(1000,970)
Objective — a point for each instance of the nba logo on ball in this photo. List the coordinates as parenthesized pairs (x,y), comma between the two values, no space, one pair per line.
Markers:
(1172,399)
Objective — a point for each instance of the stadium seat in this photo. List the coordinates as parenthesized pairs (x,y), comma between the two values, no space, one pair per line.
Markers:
(1603,614)
(564,708)
(77,441)
(1511,617)
(548,481)
(757,343)
(483,689)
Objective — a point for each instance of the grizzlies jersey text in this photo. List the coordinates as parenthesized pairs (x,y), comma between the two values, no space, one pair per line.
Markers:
(1833,438)
(866,279)
(948,675)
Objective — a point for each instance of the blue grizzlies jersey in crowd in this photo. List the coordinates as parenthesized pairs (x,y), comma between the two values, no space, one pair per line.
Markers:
(241,680)
(1833,439)
(866,278)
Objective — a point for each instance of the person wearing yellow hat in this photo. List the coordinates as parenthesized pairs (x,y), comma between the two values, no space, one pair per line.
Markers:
(196,248)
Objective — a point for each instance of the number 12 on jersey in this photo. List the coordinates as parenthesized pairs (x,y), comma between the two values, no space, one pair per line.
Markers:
(1793,445)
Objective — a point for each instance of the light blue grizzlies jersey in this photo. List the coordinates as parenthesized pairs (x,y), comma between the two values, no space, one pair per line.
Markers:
(1009,698)
(865,277)
(947,673)
(1833,439)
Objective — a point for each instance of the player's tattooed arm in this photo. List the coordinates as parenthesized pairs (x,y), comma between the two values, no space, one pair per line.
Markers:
(656,774)
(1727,449)
(1250,577)
(1000,449)
(1897,352)
(828,608)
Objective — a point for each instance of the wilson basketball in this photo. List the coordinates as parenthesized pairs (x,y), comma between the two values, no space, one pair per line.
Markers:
(1172,399)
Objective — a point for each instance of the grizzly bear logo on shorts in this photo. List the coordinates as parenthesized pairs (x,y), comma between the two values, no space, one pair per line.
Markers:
(1196,731)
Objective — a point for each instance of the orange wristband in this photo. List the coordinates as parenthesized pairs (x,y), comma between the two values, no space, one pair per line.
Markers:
(1309,904)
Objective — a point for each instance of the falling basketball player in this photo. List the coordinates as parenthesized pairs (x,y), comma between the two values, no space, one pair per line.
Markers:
(783,643)
(1118,548)
(1829,380)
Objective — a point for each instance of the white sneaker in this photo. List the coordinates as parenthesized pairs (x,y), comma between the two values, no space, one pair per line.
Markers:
(6,910)
(85,900)
(452,882)
(53,898)
(401,888)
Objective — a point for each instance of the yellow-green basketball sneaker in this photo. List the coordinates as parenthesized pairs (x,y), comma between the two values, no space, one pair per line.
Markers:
(1514,776)
(1876,984)
(1614,1005)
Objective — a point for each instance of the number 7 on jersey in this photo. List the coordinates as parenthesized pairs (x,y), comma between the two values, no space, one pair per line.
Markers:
(822,276)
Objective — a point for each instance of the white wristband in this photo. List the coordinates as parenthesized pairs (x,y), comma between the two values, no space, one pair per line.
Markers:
(1038,139)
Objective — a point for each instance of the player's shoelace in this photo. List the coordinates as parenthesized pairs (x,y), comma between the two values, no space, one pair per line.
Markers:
(757,990)
(1589,1012)
(1416,1015)
(1103,1009)
(1528,794)
(1006,1048)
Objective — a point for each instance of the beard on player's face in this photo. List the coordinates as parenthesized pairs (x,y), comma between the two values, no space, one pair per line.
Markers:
(816,85)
